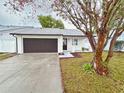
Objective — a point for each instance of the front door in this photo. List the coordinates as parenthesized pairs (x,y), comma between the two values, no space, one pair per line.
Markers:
(64,43)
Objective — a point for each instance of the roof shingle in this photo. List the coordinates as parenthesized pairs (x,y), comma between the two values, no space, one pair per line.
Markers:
(48,31)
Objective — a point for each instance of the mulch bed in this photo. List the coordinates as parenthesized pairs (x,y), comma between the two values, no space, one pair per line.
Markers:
(76,55)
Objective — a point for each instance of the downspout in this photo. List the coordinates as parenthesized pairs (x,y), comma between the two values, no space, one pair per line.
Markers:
(16,44)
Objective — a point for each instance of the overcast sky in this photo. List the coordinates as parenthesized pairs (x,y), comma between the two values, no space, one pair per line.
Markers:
(8,17)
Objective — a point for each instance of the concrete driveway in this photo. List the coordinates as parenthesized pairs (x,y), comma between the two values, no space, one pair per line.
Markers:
(31,73)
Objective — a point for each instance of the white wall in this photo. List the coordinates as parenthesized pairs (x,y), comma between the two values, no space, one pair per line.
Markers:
(107,46)
(7,43)
(82,43)
(86,45)
(20,41)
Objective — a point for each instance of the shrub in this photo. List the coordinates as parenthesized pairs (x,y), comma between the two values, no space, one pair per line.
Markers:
(87,67)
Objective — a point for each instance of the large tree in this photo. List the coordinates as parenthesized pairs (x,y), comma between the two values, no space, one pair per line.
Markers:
(99,20)
(50,22)
(103,18)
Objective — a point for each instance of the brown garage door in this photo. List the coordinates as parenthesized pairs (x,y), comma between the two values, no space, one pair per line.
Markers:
(39,45)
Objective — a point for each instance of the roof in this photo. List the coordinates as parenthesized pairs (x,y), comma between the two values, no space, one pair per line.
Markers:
(47,31)
(22,30)
(5,29)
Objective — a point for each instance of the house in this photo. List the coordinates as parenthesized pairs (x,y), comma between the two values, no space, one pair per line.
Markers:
(8,42)
(119,46)
(29,39)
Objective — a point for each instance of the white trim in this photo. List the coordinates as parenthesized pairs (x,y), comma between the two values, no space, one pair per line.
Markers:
(70,47)
(20,41)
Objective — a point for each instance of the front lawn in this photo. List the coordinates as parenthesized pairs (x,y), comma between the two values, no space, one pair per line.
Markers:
(76,80)
(5,55)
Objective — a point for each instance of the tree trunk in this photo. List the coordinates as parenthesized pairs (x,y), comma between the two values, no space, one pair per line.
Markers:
(112,43)
(91,41)
(98,64)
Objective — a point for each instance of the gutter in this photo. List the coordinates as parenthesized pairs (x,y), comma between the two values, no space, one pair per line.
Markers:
(49,35)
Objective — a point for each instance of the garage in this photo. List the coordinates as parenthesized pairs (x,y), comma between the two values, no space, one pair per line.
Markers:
(36,45)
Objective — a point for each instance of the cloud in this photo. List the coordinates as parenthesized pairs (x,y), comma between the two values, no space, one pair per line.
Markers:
(6,17)
(9,17)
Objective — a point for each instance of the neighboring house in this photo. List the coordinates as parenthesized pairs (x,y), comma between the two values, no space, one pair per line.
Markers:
(30,40)
(119,46)
(7,42)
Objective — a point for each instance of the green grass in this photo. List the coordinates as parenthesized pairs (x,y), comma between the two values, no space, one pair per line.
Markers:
(76,80)
(4,56)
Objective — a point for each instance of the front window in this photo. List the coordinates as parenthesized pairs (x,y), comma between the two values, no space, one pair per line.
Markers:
(75,42)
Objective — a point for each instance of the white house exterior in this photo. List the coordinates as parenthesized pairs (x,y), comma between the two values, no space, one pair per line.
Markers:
(119,46)
(7,41)
(30,40)
(120,43)
(67,40)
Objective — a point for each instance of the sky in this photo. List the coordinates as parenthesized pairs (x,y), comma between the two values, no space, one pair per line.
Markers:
(8,17)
